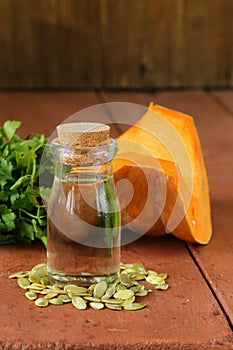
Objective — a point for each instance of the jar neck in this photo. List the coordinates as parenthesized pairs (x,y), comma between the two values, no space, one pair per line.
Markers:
(73,162)
(72,173)
(84,156)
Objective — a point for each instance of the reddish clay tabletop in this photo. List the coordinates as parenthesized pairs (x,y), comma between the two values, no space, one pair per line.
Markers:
(196,312)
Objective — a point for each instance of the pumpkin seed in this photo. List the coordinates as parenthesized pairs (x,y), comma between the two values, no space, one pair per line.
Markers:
(128,301)
(113,306)
(110,291)
(152,272)
(81,290)
(37,286)
(91,288)
(82,294)
(64,298)
(120,293)
(96,306)
(154,279)
(130,270)
(34,290)
(115,284)
(23,282)
(31,295)
(34,278)
(70,295)
(16,274)
(125,266)
(55,301)
(40,267)
(125,279)
(47,291)
(50,295)
(140,287)
(134,306)
(124,294)
(45,280)
(100,289)
(141,293)
(139,277)
(140,268)
(40,270)
(42,302)
(162,286)
(105,297)
(38,291)
(79,303)
(112,301)
(135,289)
(57,290)
(96,300)
(74,289)
(121,287)
(19,274)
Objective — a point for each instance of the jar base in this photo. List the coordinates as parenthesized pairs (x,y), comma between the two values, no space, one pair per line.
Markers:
(60,279)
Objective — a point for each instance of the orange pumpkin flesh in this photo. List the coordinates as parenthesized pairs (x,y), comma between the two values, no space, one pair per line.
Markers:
(162,159)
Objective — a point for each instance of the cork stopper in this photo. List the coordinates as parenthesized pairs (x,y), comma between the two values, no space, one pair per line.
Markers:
(76,136)
(83,134)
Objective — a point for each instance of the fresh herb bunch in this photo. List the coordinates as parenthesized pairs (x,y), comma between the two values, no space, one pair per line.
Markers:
(22,213)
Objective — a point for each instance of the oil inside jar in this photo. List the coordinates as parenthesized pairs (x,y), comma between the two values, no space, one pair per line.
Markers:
(83,230)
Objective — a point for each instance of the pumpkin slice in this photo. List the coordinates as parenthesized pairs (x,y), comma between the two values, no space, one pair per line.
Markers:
(162,159)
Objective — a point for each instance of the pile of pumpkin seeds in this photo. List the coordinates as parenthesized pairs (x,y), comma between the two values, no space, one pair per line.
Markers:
(118,295)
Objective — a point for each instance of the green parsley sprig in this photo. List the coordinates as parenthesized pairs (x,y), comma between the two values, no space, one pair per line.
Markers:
(22,213)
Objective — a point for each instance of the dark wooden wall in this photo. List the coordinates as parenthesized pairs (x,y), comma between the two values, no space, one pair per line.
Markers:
(141,44)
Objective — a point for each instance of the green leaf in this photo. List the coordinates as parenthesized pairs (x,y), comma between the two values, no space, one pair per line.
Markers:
(4,195)
(7,219)
(24,155)
(14,196)
(3,182)
(10,128)
(38,229)
(32,195)
(19,182)
(44,239)
(23,202)
(26,231)
(20,199)
(6,150)
(5,169)
(7,238)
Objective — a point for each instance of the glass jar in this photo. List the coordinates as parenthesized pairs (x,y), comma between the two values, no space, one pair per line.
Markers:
(83,216)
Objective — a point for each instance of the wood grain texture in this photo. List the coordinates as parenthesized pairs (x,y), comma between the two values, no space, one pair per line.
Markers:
(49,44)
(196,312)
(225,98)
(70,44)
(208,43)
(121,39)
(42,112)
(186,316)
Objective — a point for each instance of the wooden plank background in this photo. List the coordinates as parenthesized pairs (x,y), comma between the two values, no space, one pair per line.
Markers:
(135,44)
